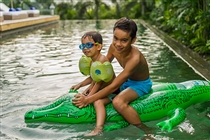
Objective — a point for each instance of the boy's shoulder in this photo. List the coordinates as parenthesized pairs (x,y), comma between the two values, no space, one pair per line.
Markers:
(135,51)
(135,54)
(103,58)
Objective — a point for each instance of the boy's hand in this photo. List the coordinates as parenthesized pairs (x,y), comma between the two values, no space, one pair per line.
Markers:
(80,100)
(75,87)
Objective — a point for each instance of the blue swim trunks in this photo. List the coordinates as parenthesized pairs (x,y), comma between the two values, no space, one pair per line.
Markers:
(140,87)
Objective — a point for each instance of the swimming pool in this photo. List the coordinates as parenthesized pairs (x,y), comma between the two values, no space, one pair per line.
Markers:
(39,66)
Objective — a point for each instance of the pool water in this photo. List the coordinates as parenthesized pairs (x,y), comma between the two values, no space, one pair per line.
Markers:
(39,66)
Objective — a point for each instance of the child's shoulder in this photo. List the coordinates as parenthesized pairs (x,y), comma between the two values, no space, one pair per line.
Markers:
(103,59)
(135,51)
(136,54)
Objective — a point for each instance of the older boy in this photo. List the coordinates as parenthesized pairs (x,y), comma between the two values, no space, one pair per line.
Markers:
(133,81)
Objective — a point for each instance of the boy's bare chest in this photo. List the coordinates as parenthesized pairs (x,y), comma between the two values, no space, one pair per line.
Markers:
(122,61)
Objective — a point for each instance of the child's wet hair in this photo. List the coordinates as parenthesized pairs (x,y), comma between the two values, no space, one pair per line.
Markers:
(127,25)
(96,36)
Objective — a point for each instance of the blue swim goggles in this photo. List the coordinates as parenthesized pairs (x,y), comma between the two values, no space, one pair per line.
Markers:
(88,45)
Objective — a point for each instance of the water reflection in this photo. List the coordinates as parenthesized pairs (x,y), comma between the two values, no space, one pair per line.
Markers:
(39,66)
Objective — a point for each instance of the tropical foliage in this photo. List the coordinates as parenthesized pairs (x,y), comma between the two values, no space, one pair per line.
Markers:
(188,21)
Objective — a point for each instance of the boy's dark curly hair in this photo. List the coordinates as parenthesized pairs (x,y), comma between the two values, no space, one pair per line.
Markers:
(127,25)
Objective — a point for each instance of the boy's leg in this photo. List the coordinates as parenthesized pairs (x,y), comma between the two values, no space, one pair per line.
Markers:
(120,103)
(100,116)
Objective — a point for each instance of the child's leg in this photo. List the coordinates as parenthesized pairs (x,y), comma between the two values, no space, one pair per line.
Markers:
(100,116)
(121,104)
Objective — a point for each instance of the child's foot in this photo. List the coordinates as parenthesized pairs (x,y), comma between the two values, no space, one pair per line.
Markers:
(146,129)
(97,131)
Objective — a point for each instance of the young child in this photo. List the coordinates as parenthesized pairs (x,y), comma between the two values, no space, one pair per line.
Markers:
(101,75)
(133,81)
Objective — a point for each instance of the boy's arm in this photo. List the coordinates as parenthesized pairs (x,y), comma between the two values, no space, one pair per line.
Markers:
(88,89)
(109,55)
(129,69)
(95,88)
(82,84)
(86,81)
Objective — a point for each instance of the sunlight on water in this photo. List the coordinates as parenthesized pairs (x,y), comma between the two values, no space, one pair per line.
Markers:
(39,66)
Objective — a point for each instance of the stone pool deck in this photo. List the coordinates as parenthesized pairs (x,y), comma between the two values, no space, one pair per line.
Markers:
(194,60)
(8,27)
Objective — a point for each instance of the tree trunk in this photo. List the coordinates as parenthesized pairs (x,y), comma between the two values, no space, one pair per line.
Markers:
(206,32)
(96,9)
(143,7)
(11,3)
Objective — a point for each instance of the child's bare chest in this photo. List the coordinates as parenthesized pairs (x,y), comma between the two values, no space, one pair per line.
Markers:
(122,61)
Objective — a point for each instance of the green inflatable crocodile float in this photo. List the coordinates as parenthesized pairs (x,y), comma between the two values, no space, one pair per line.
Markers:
(165,99)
